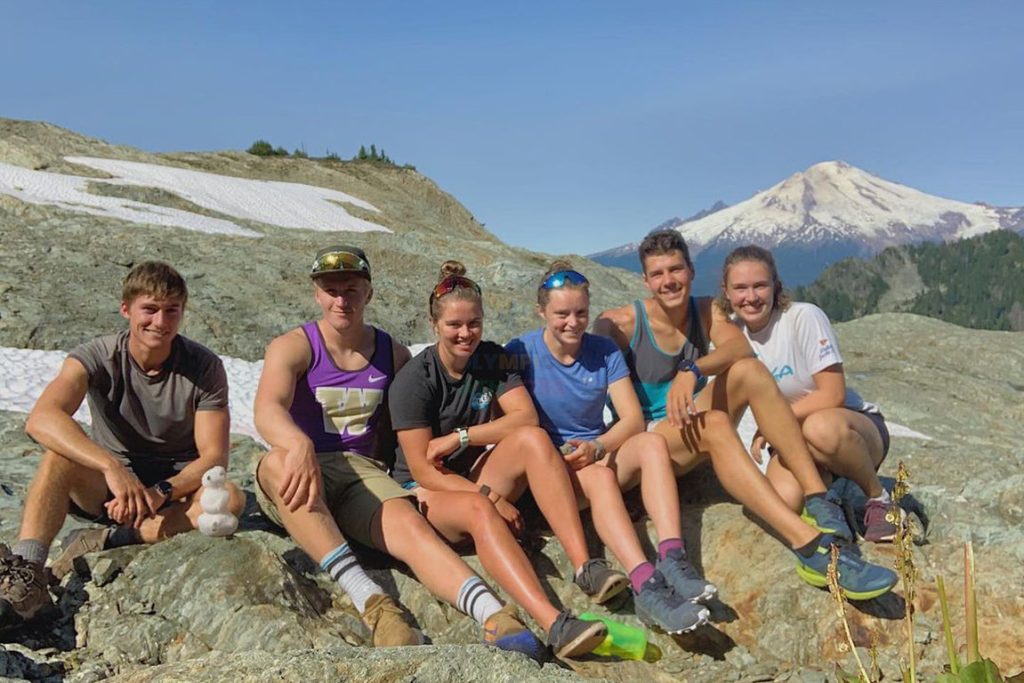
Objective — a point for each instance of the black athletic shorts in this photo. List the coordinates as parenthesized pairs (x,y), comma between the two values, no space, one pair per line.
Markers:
(148,472)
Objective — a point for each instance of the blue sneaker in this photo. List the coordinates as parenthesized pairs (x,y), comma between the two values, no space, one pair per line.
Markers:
(659,606)
(681,575)
(505,631)
(858,579)
(823,513)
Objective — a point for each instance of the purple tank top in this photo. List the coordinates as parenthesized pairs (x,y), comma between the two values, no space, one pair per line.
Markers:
(339,409)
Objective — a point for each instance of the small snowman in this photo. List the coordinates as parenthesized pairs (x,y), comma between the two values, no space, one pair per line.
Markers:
(216,519)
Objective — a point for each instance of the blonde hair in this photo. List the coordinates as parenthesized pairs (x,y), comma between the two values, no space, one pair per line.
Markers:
(156,279)
(752,252)
(465,291)
(557,266)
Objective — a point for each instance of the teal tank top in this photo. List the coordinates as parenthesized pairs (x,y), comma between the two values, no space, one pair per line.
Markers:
(651,369)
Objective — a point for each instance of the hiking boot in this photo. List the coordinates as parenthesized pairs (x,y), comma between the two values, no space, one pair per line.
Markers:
(683,578)
(858,579)
(882,521)
(571,637)
(505,631)
(77,543)
(824,513)
(23,593)
(659,606)
(389,624)
(599,581)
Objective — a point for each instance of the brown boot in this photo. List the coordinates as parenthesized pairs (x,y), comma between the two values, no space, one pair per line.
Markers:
(23,593)
(505,630)
(389,623)
(76,544)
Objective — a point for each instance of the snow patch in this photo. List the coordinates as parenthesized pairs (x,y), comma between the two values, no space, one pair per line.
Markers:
(287,205)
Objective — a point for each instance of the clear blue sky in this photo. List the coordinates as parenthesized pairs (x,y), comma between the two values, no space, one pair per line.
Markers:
(563,126)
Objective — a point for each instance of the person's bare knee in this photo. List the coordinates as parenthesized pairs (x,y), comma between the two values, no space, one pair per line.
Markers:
(270,471)
(236,499)
(824,435)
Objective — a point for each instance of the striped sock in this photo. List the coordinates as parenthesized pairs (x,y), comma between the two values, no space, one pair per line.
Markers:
(477,600)
(344,569)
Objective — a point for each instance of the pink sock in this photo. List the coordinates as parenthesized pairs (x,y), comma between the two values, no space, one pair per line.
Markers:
(669,544)
(640,574)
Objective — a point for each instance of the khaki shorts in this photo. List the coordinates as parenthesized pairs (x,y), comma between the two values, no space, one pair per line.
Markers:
(355,487)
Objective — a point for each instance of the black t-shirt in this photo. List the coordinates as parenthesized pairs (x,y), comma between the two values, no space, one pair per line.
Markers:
(425,395)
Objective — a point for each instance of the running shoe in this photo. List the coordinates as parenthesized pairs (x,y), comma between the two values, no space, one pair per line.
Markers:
(659,606)
(389,624)
(824,513)
(23,593)
(77,543)
(599,581)
(882,521)
(681,575)
(858,579)
(570,637)
(505,631)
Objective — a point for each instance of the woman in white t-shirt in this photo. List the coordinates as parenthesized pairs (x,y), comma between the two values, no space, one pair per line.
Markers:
(846,435)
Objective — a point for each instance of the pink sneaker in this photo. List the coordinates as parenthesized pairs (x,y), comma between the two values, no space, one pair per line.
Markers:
(882,521)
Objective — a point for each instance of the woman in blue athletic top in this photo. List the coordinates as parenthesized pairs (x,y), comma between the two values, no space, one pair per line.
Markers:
(570,375)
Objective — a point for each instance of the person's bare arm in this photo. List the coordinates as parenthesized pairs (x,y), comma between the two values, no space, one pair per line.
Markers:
(829,392)
(517,411)
(286,359)
(630,422)
(51,425)
(617,324)
(212,429)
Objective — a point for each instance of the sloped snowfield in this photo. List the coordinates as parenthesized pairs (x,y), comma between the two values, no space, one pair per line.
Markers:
(287,205)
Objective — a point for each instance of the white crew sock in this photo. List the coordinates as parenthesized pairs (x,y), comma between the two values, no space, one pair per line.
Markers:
(344,569)
(477,600)
(884,497)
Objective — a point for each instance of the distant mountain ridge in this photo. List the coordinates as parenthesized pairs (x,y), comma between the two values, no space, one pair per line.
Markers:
(829,212)
(976,282)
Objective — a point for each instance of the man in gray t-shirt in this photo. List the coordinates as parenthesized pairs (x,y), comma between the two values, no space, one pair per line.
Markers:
(159,407)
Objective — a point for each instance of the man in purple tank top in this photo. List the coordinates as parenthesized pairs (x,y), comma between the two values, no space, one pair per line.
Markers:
(321,405)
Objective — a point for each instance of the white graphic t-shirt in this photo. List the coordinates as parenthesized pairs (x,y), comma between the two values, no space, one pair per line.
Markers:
(796,344)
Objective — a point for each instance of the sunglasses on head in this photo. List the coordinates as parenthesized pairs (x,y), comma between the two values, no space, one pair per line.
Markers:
(450,284)
(343,261)
(562,278)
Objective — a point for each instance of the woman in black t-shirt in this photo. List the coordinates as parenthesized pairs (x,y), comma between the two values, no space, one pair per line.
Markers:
(449,403)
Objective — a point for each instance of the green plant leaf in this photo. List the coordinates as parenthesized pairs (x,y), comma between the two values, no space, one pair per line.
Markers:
(983,671)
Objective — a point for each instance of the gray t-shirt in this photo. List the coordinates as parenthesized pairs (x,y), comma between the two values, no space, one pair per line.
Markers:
(425,395)
(150,417)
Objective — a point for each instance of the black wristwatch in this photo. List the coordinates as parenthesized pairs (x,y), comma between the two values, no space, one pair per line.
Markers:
(687,365)
(165,489)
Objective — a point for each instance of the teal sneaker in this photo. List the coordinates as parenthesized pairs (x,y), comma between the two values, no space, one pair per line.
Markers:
(858,579)
(824,513)
(659,606)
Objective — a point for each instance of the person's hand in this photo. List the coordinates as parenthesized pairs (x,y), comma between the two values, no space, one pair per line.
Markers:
(511,515)
(303,482)
(440,447)
(129,505)
(584,454)
(679,404)
(757,446)
(155,499)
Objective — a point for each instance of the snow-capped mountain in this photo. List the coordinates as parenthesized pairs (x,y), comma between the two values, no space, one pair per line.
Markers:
(829,212)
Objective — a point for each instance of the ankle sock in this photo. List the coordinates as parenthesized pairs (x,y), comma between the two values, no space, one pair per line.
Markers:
(883,497)
(670,544)
(477,600)
(31,550)
(344,569)
(122,536)
(809,549)
(639,575)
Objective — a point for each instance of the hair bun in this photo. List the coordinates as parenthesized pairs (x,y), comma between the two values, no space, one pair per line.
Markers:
(558,265)
(450,268)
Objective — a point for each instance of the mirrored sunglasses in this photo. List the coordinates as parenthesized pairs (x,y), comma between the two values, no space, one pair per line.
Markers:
(450,284)
(339,261)
(563,277)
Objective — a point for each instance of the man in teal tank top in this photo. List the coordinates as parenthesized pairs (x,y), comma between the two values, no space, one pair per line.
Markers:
(665,339)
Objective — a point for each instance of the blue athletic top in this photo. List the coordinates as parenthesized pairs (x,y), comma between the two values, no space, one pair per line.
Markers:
(651,369)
